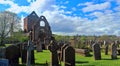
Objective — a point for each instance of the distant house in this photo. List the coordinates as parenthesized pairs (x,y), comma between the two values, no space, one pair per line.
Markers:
(28,22)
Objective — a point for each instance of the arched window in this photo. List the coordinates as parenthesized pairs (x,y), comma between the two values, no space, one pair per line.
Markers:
(42,23)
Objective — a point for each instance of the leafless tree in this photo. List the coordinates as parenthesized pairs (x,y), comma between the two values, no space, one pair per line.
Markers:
(8,23)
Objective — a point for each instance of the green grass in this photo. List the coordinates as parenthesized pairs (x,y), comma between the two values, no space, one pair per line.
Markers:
(42,57)
(89,61)
(7,45)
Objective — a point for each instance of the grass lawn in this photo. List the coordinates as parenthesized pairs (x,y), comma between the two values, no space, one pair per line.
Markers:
(89,61)
(42,57)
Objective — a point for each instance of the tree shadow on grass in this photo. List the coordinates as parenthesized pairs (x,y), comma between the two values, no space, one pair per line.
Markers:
(106,59)
(83,63)
(36,64)
(40,64)
(109,59)
(80,62)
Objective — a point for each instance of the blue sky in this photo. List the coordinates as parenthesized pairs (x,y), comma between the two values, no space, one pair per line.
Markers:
(71,17)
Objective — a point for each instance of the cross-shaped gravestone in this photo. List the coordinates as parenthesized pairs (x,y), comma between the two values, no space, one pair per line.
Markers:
(29,49)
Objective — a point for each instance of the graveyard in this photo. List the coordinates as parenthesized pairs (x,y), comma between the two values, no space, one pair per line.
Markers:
(40,47)
(80,60)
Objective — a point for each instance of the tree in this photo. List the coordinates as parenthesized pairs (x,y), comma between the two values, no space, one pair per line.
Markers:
(9,22)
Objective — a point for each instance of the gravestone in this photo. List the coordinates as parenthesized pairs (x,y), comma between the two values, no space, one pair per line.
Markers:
(106,49)
(39,46)
(29,49)
(4,62)
(12,54)
(24,54)
(69,56)
(54,56)
(2,52)
(60,44)
(114,51)
(96,51)
(62,49)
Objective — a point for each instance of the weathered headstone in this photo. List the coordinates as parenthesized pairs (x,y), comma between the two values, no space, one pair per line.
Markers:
(12,54)
(39,47)
(114,51)
(54,56)
(29,49)
(69,56)
(24,54)
(62,53)
(2,52)
(96,51)
(106,49)
(4,62)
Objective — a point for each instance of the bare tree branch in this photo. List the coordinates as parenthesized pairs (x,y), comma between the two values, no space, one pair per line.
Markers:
(7,22)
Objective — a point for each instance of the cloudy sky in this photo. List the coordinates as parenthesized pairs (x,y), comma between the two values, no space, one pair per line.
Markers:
(71,17)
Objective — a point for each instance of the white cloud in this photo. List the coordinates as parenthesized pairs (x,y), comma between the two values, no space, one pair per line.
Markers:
(85,4)
(66,2)
(93,7)
(30,1)
(118,2)
(74,9)
(63,7)
(35,5)
(117,8)
(106,22)
(22,22)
